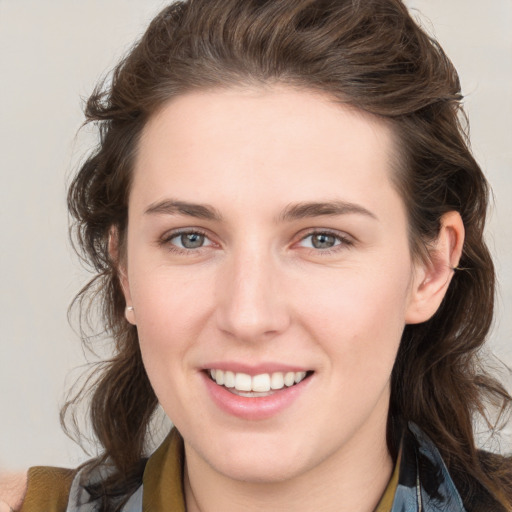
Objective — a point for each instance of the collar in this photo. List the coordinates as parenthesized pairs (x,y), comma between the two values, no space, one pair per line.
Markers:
(163,476)
(424,484)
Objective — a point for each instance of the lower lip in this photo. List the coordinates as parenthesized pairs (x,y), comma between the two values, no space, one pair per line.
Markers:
(254,408)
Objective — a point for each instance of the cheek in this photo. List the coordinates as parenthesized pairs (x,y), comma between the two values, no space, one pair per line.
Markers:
(172,309)
(169,300)
(358,317)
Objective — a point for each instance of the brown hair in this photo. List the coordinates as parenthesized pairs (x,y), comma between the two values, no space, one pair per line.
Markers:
(369,54)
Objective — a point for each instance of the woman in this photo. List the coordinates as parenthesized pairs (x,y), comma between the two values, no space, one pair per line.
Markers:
(287,228)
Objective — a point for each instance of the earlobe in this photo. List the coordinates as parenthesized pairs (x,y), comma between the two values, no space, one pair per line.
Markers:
(433,277)
(129,314)
(117,261)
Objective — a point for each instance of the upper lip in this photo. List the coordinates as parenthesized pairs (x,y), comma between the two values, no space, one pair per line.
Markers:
(254,369)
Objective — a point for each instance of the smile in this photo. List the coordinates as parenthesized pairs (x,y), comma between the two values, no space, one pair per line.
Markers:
(256,395)
(264,384)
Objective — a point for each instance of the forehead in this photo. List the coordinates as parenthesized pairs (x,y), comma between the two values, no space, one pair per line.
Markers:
(234,141)
(265,107)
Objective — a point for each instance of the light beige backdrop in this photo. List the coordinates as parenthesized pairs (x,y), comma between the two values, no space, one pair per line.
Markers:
(51,54)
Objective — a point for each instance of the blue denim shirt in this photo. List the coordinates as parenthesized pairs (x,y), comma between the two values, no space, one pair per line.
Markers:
(424,484)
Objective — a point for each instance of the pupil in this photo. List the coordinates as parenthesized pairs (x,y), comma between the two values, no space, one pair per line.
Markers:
(192,240)
(323,241)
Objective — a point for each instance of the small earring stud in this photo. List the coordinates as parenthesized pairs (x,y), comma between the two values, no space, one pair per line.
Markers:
(129,308)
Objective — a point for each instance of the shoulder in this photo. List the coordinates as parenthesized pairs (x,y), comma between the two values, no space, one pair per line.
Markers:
(13,487)
(40,488)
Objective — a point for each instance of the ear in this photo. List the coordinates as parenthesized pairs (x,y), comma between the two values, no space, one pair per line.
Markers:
(433,277)
(120,263)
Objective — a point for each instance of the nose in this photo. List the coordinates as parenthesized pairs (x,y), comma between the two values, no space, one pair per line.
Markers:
(251,300)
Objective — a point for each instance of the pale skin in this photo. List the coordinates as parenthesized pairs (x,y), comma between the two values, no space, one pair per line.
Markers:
(237,167)
(302,258)
(12,490)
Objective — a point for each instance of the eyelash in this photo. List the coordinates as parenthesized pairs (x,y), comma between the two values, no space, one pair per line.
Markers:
(344,241)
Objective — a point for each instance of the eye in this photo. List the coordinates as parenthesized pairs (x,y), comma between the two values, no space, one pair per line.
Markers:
(323,241)
(189,240)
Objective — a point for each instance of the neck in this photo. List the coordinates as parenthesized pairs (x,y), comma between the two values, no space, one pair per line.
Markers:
(352,479)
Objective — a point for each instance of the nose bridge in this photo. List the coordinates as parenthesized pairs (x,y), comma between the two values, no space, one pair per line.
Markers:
(251,305)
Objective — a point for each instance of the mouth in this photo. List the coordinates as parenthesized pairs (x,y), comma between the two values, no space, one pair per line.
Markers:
(261,385)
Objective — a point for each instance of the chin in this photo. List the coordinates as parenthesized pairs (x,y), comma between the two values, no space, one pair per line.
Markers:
(261,471)
(260,462)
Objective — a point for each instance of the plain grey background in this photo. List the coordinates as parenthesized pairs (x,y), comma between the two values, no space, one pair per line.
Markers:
(52,52)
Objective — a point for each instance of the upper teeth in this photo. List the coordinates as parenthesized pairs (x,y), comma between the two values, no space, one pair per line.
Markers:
(262,382)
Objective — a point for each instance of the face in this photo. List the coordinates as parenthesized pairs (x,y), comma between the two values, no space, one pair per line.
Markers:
(268,247)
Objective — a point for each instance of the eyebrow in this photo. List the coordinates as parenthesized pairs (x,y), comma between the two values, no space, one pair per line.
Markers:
(173,207)
(317,209)
(291,212)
